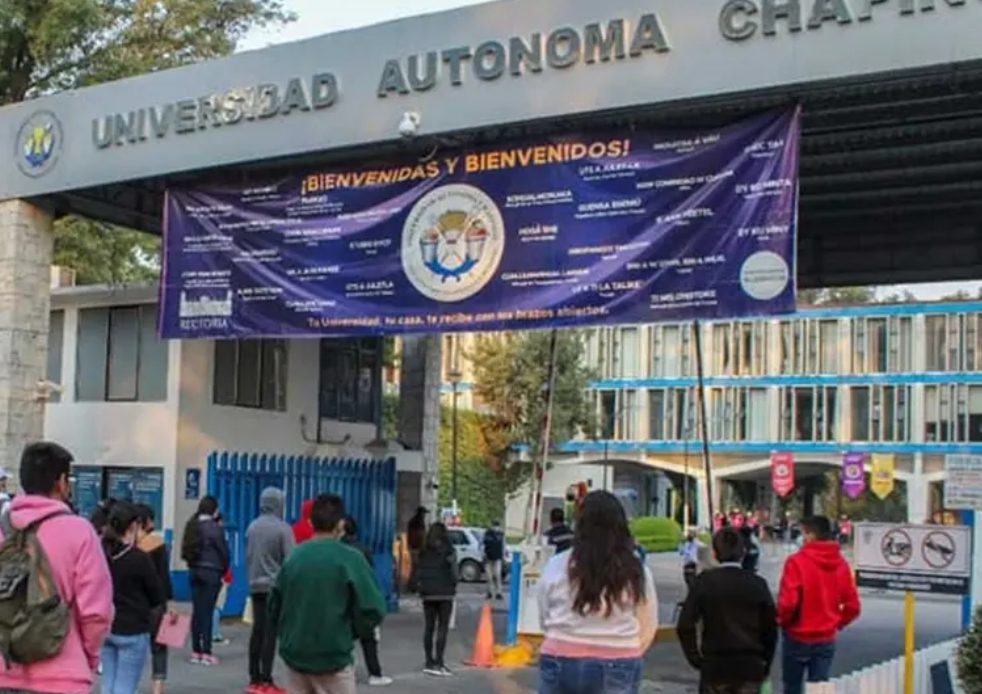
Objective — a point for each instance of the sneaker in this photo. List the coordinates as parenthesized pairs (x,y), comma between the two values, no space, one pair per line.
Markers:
(445,671)
(380,681)
(194,660)
(273,689)
(220,641)
(256,688)
(433,671)
(209,660)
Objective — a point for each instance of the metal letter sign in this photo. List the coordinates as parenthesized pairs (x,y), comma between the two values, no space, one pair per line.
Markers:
(918,558)
(782,473)
(624,227)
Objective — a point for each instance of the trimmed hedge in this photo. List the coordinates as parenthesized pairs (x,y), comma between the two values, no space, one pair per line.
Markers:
(657,534)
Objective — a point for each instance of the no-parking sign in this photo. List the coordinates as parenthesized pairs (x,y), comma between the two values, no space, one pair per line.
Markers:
(918,558)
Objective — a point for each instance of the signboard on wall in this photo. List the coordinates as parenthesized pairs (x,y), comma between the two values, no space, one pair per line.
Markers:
(963,482)
(616,227)
(918,558)
(140,485)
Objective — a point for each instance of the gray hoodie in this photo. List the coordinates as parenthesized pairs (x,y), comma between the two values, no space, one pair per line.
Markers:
(269,541)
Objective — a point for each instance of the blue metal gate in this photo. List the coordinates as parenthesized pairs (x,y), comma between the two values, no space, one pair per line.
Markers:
(368,488)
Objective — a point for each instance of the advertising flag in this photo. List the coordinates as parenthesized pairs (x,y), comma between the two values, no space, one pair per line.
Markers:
(782,473)
(854,474)
(881,475)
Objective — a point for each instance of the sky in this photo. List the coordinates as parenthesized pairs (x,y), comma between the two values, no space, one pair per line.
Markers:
(316,17)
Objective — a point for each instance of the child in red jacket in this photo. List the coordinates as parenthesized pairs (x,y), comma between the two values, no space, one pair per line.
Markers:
(818,598)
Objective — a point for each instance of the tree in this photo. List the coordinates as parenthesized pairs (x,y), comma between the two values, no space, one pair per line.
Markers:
(905,297)
(960,295)
(480,485)
(53,45)
(511,378)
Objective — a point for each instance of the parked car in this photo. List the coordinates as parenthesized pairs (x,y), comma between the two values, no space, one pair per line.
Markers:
(469,543)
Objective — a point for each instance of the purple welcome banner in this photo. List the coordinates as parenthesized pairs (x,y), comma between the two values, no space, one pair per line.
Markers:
(854,474)
(599,228)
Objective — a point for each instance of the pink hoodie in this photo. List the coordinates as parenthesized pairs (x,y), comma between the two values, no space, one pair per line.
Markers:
(79,567)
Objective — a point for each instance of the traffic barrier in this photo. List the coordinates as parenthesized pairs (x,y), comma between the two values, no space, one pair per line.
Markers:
(889,676)
(368,488)
(484,642)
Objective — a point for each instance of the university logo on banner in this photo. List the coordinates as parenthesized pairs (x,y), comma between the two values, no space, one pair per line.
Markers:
(881,474)
(853,474)
(782,473)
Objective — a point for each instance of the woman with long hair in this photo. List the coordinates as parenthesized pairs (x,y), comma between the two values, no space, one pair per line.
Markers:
(436,579)
(153,545)
(205,550)
(598,607)
(137,594)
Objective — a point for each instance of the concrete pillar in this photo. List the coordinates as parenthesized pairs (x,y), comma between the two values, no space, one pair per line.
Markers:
(918,493)
(419,408)
(26,244)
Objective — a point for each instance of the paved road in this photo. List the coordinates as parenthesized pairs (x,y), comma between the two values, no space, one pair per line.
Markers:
(877,636)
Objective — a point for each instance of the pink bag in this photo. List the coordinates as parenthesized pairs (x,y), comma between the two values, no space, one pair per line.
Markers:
(174,630)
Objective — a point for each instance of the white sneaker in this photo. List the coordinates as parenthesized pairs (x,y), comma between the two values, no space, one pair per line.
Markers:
(380,681)
(432,671)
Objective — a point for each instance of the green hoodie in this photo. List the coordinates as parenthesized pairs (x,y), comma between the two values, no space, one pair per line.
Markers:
(324,594)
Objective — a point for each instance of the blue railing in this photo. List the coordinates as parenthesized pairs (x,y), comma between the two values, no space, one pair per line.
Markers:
(368,488)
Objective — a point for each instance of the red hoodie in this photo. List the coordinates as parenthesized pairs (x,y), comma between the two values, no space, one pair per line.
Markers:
(818,596)
(303,530)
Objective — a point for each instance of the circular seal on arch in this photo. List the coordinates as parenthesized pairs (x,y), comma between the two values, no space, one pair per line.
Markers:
(453,242)
(38,144)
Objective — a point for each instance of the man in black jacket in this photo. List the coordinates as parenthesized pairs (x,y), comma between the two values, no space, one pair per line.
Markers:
(739,623)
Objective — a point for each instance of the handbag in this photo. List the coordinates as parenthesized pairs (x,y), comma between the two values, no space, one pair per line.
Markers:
(174,630)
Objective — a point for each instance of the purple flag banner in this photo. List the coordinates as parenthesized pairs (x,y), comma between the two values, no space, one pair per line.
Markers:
(854,474)
(592,228)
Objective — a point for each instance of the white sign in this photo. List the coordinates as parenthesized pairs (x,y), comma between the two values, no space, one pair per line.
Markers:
(963,482)
(920,558)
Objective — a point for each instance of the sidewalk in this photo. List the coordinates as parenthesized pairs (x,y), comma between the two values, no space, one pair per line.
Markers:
(402,658)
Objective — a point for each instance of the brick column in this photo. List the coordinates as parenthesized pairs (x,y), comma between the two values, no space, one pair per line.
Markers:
(26,245)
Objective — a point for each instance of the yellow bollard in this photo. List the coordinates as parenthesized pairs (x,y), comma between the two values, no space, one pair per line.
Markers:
(909,643)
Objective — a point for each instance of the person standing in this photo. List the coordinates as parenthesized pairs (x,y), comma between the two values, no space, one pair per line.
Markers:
(153,545)
(302,529)
(817,599)
(205,550)
(559,535)
(77,566)
(269,541)
(369,642)
(598,607)
(751,547)
(137,595)
(436,578)
(415,536)
(735,645)
(689,551)
(494,557)
(316,633)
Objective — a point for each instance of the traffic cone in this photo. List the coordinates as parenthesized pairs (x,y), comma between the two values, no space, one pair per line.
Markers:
(484,643)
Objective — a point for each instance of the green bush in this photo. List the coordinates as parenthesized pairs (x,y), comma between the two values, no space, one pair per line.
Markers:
(969,657)
(657,534)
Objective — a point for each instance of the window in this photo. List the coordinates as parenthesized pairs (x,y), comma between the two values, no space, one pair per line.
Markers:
(56,343)
(808,413)
(629,354)
(251,373)
(953,413)
(629,416)
(120,357)
(936,343)
(350,372)
(656,415)
(828,339)
(669,351)
(860,413)
(608,414)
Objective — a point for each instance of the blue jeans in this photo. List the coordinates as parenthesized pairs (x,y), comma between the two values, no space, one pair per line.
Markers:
(588,676)
(206,584)
(123,658)
(799,660)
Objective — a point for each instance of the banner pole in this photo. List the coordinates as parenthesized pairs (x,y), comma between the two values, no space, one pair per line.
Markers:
(704,425)
(909,643)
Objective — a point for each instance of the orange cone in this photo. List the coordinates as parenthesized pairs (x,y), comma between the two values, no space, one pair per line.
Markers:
(484,644)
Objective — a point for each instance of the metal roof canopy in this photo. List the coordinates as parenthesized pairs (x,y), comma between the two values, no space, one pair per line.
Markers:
(891,172)
(891,169)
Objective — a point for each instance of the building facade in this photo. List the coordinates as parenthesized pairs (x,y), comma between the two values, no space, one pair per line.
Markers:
(900,379)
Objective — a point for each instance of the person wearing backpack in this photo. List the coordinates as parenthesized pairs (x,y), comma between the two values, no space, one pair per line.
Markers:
(137,594)
(62,652)
(205,550)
